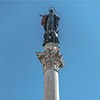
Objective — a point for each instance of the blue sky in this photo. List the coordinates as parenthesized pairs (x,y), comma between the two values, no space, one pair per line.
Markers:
(21,35)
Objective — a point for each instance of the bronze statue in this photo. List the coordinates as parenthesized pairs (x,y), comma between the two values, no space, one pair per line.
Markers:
(50,24)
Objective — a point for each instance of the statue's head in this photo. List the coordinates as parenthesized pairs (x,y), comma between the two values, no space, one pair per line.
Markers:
(51,10)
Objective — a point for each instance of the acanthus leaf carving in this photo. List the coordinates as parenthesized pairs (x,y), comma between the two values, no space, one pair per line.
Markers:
(50,56)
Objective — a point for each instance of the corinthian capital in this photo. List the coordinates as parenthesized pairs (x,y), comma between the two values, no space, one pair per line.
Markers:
(50,56)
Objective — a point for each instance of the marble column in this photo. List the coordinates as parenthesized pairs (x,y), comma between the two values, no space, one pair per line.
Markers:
(52,62)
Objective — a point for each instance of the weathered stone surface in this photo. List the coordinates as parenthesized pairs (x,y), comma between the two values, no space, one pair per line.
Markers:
(52,61)
(51,55)
(51,85)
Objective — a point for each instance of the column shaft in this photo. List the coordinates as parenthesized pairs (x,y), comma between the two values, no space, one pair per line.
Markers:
(51,85)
